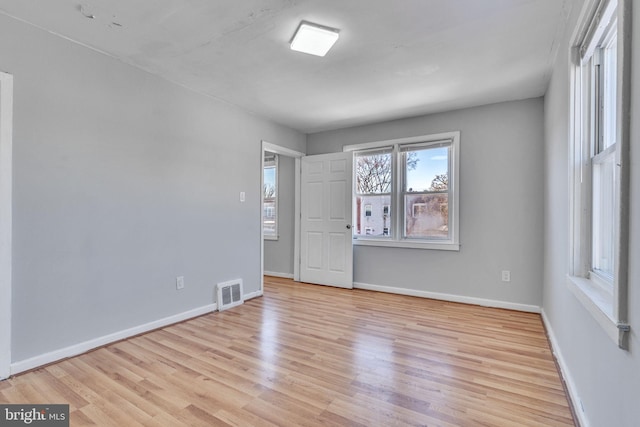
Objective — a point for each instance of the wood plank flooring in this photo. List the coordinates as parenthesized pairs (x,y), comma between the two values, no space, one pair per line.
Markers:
(306,355)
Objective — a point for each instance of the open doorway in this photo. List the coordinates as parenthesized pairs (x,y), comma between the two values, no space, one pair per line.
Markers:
(6,163)
(280,212)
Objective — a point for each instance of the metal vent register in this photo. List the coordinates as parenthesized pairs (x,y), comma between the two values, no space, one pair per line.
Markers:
(230,294)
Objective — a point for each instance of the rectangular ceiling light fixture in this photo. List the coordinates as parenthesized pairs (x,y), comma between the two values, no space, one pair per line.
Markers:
(314,39)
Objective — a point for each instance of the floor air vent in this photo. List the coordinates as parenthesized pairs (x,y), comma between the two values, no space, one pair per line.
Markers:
(230,294)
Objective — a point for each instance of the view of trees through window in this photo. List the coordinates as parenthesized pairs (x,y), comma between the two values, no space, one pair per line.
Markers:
(373,193)
(426,193)
(424,187)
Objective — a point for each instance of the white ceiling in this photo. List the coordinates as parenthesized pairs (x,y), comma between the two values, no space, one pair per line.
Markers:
(394,59)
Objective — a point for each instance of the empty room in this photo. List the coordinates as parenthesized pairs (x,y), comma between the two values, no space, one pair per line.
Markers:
(320,213)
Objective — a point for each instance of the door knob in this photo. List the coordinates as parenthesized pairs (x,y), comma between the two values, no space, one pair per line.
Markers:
(348,226)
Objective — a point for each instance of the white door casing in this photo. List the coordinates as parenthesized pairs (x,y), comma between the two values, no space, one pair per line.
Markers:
(6,161)
(326,249)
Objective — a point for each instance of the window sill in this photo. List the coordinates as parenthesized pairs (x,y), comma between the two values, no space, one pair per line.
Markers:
(270,237)
(599,303)
(444,246)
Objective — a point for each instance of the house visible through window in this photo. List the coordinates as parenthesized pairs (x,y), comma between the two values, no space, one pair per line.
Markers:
(373,191)
(426,190)
(599,131)
(270,197)
(415,177)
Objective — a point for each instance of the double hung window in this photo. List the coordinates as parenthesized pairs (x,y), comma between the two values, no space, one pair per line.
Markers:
(406,192)
(373,173)
(425,190)
(600,175)
(600,136)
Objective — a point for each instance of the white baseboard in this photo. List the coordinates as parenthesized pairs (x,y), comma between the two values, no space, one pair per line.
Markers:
(449,297)
(76,349)
(282,275)
(252,295)
(566,374)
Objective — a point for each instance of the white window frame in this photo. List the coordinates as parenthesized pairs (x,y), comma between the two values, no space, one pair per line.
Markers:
(604,296)
(397,205)
(417,205)
(271,164)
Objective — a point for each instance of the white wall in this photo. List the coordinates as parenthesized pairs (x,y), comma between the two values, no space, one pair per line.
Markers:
(500,205)
(606,380)
(6,222)
(122,181)
(278,254)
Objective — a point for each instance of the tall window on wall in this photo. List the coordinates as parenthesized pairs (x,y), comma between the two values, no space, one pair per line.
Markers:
(600,163)
(270,197)
(406,192)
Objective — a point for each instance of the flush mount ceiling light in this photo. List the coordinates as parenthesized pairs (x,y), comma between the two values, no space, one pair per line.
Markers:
(314,39)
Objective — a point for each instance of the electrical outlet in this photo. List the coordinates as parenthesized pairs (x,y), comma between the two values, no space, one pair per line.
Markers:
(242,196)
(506,275)
(180,282)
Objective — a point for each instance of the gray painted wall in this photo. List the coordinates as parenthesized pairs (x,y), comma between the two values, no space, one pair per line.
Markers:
(500,205)
(122,181)
(607,379)
(278,254)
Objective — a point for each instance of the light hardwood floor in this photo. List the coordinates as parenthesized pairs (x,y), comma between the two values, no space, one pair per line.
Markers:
(312,355)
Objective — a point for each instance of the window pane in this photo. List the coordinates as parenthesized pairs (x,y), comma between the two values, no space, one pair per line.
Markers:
(603,218)
(426,169)
(269,217)
(373,216)
(269,207)
(269,182)
(609,78)
(426,216)
(373,173)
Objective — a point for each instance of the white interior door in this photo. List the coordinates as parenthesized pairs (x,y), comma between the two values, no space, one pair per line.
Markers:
(326,250)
